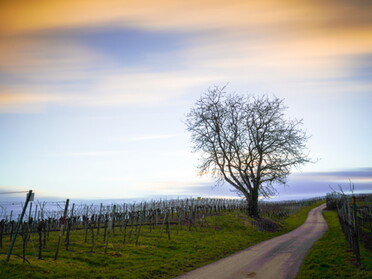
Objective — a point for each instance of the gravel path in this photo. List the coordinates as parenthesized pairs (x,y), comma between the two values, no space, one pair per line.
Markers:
(279,257)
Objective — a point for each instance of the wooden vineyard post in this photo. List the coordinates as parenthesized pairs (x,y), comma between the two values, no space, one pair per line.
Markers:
(166,224)
(91,226)
(69,225)
(29,212)
(99,219)
(356,233)
(86,223)
(40,228)
(168,228)
(63,221)
(11,230)
(29,197)
(110,225)
(35,215)
(141,221)
(113,219)
(125,230)
(46,232)
(26,237)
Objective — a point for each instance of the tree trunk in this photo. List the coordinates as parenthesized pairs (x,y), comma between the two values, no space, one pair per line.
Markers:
(253,204)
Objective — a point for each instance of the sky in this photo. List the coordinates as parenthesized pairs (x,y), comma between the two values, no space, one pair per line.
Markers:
(94,94)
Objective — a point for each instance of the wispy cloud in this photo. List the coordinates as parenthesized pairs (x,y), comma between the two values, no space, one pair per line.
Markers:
(112,88)
(147,137)
(82,154)
(361,175)
(12,101)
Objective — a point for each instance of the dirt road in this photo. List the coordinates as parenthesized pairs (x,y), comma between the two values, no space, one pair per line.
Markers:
(280,257)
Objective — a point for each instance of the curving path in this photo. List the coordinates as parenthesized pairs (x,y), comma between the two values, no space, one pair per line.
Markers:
(279,257)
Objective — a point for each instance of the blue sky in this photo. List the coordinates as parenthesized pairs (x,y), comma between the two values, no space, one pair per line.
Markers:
(93,95)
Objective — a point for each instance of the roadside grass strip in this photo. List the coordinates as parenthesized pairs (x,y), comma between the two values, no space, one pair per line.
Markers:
(331,256)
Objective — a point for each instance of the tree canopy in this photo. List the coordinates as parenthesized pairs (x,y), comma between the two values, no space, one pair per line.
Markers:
(246,141)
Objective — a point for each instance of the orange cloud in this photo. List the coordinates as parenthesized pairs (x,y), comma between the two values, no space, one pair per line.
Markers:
(21,102)
(28,15)
(246,40)
(327,27)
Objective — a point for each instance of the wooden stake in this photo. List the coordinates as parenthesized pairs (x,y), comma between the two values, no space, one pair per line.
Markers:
(28,198)
(63,221)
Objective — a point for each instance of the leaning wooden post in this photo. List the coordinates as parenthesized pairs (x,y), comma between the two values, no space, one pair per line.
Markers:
(30,196)
(63,221)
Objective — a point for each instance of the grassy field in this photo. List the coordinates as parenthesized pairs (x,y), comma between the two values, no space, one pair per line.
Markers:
(331,256)
(154,257)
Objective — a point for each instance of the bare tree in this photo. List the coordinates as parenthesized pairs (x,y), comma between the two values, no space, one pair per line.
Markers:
(246,141)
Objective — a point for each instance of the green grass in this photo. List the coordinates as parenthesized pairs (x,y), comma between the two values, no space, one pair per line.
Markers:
(331,256)
(154,257)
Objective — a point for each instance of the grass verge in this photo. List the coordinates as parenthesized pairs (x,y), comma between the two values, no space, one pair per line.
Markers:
(154,257)
(331,256)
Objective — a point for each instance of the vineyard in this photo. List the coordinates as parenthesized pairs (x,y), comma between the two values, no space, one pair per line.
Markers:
(355,216)
(108,229)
